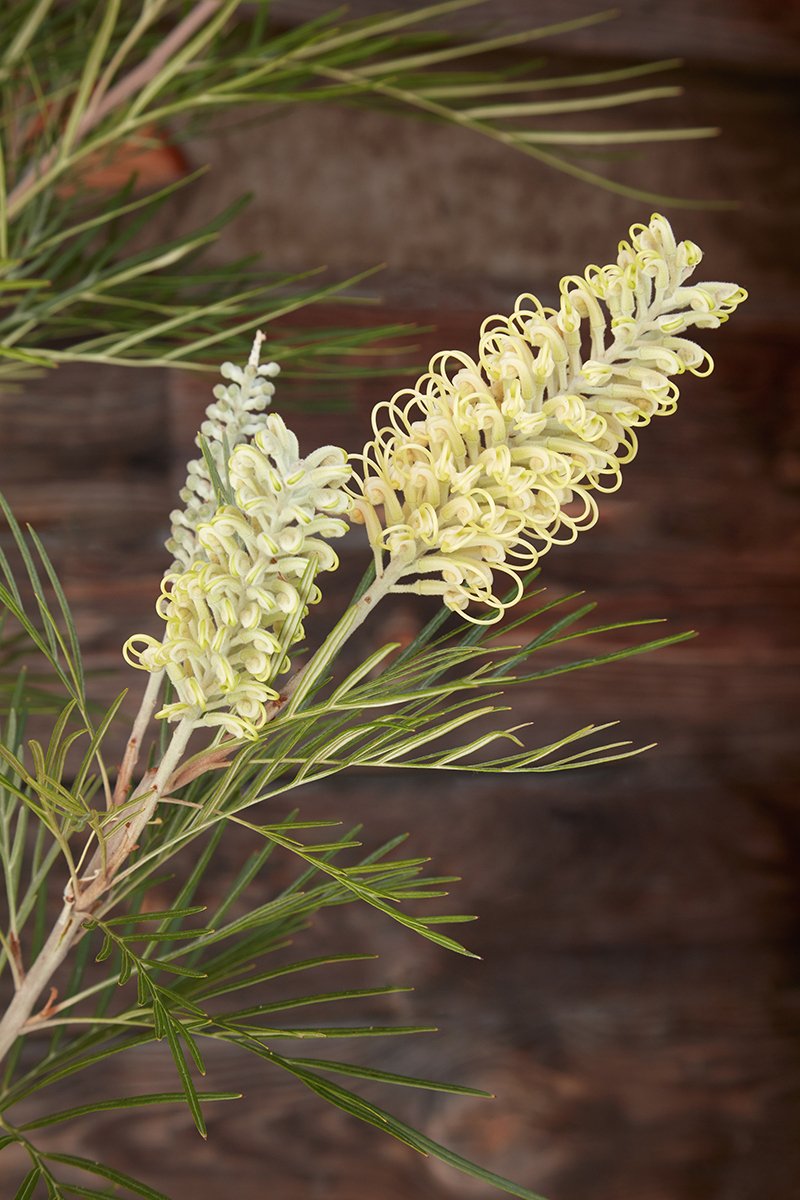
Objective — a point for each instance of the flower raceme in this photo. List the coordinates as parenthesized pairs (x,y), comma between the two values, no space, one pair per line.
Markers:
(473,473)
(232,615)
(483,466)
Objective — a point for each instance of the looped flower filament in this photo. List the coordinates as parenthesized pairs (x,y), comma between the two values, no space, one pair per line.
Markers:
(495,459)
(232,616)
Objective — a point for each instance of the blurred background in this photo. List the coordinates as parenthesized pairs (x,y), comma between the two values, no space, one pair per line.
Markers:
(636,1010)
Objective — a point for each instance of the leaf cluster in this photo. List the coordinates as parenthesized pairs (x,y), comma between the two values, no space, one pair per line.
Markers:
(204,965)
(87,85)
(140,975)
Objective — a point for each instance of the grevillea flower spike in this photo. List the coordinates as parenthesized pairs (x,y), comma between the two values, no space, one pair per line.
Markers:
(233,614)
(471,471)
(472,474)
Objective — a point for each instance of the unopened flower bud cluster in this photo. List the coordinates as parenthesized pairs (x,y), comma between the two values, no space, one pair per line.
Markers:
(237,415)
(232,615)
(482,466)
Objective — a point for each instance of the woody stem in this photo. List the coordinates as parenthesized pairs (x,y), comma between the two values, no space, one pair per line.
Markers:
(76,910)
(134,746)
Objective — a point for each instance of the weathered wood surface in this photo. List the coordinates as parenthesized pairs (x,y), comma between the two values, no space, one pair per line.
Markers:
(636,1008)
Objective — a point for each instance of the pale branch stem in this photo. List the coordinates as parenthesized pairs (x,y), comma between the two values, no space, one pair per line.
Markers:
(141,75)
(101,105)
(151,9)
(98,878)
(134,746)
(49,959)
(174,753)
(383,583)
(355,616)
(124,834)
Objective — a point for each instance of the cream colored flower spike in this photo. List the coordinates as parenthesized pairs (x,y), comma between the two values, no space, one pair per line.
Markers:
(232,616)
(470,471)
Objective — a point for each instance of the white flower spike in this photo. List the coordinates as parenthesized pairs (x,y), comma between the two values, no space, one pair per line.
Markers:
(232,615)
(471,471)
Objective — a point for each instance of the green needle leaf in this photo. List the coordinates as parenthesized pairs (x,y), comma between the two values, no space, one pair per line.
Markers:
(378,1117)
(28,1185)
(104,1172)
(125,1102)
(190,1092)
(340,1068)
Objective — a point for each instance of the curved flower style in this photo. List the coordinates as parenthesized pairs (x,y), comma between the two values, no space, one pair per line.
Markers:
(483,466)
(232,616)
(237,416)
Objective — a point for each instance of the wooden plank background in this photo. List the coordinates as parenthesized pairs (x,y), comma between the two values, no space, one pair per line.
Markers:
(636,1009)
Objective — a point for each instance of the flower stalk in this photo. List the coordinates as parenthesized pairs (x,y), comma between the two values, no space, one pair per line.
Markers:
(133,747)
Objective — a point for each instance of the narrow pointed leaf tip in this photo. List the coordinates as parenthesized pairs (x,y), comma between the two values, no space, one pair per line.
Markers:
(470,472)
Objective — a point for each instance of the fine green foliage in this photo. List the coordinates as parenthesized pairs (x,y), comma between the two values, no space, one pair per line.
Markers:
(165,978)
(72,290)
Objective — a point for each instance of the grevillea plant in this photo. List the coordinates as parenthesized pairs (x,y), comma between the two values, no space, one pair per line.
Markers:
(472,474)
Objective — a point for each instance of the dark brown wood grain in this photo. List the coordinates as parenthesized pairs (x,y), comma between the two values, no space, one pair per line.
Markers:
(637,1006)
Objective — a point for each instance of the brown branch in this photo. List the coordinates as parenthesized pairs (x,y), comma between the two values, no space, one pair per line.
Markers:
(100,106)
(15,951)
(98,878)
(48,1010)
(212,760)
